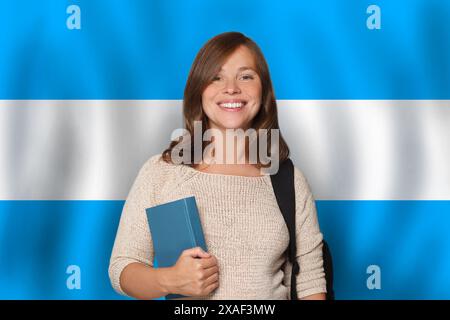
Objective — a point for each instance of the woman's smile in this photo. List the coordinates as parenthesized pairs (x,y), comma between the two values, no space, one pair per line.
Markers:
(233,105)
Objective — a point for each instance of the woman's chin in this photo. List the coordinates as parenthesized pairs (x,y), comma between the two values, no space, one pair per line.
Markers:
(234,126)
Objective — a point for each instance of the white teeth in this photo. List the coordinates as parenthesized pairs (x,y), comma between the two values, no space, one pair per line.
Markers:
(232,105)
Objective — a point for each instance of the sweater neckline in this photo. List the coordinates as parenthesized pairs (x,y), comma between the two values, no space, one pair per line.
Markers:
(228,176)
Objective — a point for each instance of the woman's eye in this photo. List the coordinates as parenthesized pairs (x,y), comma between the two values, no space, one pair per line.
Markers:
(216,78)
(247,77)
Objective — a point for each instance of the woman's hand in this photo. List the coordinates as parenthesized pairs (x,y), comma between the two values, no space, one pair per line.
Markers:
(196,273)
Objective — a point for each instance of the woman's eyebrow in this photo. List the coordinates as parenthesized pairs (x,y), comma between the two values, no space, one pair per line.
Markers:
(242,69)
(245,68)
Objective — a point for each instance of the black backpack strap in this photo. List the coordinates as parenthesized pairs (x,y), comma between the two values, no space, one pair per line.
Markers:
(328,267)
(284,189)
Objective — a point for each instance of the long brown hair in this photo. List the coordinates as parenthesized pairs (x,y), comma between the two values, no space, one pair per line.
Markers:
(205,67)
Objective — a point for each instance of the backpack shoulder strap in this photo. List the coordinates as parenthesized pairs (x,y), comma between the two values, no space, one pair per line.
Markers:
(284,189)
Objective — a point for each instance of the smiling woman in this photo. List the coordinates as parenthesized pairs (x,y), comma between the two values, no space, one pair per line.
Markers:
(228,88)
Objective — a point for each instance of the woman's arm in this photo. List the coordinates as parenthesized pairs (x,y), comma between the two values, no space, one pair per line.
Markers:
(196,273)
(144,282)
(131,265)
(133,244)
(311,283)
(317,296)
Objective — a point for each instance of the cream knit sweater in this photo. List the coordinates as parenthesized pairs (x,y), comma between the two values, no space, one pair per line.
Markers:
(243,227)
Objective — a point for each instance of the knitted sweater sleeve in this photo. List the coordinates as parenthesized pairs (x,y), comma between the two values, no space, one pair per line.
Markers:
(133,241)
(311,278)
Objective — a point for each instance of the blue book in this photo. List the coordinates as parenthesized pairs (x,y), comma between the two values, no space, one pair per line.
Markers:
(175,226)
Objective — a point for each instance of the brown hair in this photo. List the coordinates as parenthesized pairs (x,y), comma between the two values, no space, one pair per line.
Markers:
(205,67)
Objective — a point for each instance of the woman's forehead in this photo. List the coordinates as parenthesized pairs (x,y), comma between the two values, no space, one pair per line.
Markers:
(239,60)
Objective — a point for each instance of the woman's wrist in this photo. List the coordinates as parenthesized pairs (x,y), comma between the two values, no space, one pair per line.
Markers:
(166,280)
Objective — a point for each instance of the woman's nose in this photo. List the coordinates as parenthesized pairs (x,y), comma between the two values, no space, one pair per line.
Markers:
(231,87)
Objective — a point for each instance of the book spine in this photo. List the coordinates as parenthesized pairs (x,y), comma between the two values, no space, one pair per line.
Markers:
(196,223)
(187,211)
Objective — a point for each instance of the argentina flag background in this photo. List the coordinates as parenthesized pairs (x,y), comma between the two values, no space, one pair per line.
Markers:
(90,89)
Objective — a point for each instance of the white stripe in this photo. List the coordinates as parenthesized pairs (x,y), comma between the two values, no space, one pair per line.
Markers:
(348,149)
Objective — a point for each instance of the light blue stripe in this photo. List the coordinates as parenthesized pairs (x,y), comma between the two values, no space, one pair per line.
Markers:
(409,240)
(143,49)
(40,239)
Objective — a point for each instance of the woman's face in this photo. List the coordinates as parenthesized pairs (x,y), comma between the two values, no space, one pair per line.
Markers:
(233,99)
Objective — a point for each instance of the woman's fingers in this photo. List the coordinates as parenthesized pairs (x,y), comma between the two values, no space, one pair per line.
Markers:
(210,271)
(212,279)
(207,263)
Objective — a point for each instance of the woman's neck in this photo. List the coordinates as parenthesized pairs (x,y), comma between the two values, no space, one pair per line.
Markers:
(228,156)
(228,146)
